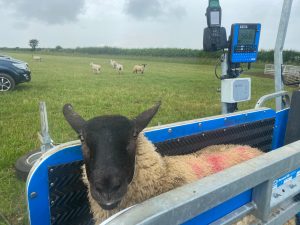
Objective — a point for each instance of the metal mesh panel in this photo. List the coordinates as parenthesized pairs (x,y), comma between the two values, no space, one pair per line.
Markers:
(291,75)
(256,134)
(68,195)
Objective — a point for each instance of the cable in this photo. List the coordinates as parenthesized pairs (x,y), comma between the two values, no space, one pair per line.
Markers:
(217,76)
(220,60)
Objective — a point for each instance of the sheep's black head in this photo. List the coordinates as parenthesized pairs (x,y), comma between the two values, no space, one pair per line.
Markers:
(109,147)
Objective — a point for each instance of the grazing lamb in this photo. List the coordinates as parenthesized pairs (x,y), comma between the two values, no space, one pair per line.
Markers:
(122,167)
(139,68)
(113,63)
(37,58)
(95,67)
(119,68)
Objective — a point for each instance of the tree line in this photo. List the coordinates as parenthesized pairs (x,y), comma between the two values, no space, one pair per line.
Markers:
(266,56)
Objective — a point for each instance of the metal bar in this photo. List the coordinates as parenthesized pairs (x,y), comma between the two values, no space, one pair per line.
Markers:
(262,197)
(224,67)
(278,61)
(265,98)
(278,216)
(44,120)
(186,202)
(236,215)
(46,142)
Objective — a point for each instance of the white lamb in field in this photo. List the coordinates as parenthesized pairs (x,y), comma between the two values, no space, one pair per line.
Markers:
(123,168)
(113,63)
(95,67)
(37,58)
(139,68)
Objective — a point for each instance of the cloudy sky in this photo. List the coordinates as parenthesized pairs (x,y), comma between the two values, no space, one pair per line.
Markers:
(134,23)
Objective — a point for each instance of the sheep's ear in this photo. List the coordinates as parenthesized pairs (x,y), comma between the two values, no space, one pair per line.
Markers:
(142,120)
(75,120)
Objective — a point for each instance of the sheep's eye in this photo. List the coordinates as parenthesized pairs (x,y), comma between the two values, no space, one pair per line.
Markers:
(135,136)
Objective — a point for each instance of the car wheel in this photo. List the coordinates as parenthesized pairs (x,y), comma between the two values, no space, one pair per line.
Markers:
(7,83)
(24,163)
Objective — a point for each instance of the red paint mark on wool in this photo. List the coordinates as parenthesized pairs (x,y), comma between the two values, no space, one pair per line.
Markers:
(197,170)
(217,162)
(242,152)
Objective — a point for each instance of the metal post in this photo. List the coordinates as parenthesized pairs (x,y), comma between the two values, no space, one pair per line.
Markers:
(278,61)
(262,198)
(224,67)
(44,135)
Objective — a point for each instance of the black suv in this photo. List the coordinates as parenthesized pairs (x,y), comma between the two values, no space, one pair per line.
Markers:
(12,72)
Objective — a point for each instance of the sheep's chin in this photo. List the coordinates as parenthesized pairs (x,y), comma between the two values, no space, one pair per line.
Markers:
(109,205)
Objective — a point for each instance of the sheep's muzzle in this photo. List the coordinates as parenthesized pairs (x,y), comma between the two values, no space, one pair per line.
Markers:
(109,205)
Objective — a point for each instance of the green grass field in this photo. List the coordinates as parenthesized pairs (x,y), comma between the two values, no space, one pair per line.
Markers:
(187,88)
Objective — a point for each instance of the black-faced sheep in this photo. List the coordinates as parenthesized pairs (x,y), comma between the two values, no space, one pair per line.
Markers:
(139,68)
(122,167)
(95,67)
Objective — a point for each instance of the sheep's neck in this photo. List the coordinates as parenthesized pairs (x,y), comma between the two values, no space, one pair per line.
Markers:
(150,173)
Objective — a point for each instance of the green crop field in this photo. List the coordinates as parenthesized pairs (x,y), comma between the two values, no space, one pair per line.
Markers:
(186,87)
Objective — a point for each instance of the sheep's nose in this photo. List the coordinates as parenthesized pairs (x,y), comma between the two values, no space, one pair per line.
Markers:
(109,185)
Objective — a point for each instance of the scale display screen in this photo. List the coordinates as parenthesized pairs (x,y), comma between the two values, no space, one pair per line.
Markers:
(246,36)
(244,42)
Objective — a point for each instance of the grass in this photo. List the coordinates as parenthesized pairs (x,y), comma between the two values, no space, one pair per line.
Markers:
(187,88)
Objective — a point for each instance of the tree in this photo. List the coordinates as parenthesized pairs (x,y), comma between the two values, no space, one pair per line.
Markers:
(33,43)
(58,48)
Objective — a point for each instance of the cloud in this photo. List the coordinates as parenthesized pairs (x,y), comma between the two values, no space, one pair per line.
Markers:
(154,9)
(20,25)
(51,12)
